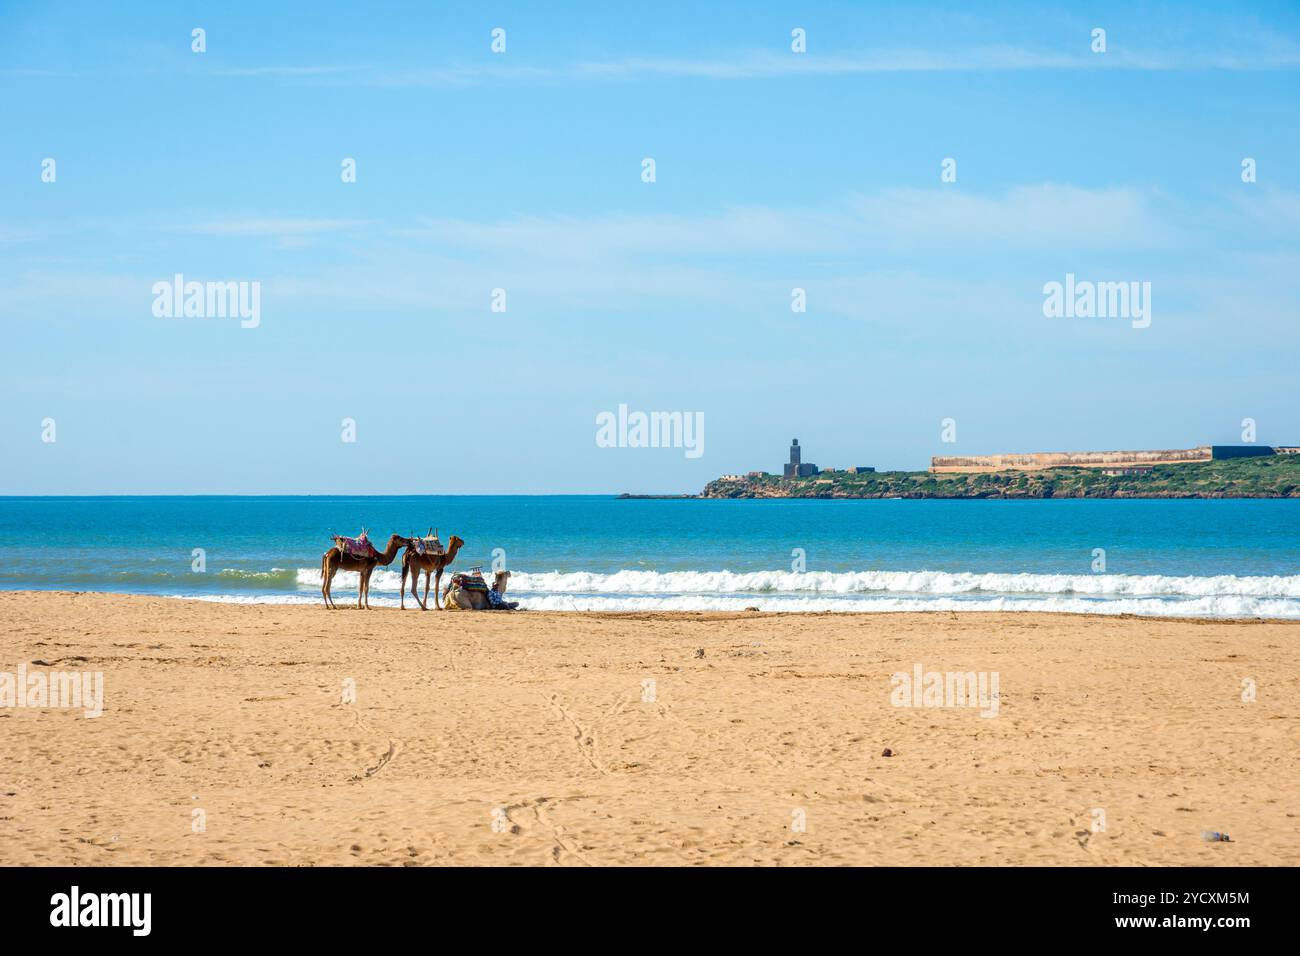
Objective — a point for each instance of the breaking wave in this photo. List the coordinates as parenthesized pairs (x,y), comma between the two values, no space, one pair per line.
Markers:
(822,591)
(907,582)
(275,576)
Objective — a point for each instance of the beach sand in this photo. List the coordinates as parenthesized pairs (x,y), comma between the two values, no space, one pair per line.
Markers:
(525,739)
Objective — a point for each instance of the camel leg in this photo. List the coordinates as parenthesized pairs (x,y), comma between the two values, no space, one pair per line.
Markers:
(425,602)
(436,590)
(370,576)
(415,587)
(327,580)
(401,588)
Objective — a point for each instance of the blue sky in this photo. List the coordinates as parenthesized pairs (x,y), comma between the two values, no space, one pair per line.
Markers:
(522,171)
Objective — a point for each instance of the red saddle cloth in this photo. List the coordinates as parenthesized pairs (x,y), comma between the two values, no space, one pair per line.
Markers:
(356,547)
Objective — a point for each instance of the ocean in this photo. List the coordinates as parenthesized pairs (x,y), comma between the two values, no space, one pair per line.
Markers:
(1210,558)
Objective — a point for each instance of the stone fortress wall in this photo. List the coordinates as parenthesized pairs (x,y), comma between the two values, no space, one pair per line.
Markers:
(1036,461)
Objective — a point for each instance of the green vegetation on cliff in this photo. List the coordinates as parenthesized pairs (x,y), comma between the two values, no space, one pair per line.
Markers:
(1266,477)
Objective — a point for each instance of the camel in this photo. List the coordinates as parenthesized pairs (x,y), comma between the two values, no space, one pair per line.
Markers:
(476,600)
(431,564)
(335,560)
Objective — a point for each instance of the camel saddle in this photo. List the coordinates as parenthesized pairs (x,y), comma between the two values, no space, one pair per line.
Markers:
(428,546)
(469,582)
(359,547)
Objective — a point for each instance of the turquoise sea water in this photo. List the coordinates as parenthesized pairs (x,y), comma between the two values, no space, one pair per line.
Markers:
(1206,558)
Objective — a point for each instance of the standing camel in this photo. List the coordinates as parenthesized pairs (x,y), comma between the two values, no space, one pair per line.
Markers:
(339,558)
(413,562)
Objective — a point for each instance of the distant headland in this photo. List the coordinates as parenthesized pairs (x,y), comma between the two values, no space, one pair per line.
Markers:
(1207,471)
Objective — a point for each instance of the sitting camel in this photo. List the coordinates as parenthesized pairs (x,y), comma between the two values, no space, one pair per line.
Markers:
(431,563)
(346,556)
(464,599)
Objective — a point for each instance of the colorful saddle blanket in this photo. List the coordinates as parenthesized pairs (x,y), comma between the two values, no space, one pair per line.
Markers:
(429,545)
(356,547)
(469,582)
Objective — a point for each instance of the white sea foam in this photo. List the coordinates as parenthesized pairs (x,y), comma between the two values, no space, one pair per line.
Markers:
(860,582)
(908,582)
(820,591)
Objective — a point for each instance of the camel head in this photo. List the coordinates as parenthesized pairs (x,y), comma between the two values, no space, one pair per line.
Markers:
(500,580)
(455,544)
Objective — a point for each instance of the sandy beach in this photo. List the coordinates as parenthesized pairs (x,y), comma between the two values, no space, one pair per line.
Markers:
(530,738)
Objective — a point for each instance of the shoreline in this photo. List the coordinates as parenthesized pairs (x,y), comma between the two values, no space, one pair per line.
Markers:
(642,738)
(344,597)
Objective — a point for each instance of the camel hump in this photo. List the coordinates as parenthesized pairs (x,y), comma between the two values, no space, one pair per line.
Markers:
(469,581)
(359,547)
(429,545)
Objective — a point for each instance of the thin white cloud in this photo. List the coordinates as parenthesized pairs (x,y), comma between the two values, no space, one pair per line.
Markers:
(1269,54)
(1032,217)
(289,71)
(734,231)
(1274,210)
(888,256)
(1024,217)
(279,228)
(1275,55)
(1226,43)
(8,235)
(28,71)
